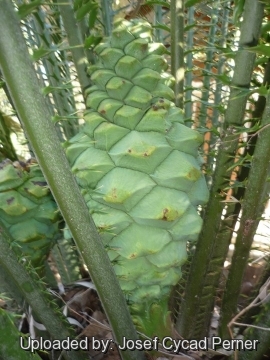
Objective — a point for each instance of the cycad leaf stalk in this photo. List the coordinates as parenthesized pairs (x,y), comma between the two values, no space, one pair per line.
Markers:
(54,65)
(216,233)
(252,205)
(75,41)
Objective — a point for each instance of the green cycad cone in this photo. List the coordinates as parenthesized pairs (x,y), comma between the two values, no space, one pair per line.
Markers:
(137,164)
(28,210)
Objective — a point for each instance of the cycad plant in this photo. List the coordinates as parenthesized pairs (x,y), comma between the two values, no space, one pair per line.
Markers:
(129,184)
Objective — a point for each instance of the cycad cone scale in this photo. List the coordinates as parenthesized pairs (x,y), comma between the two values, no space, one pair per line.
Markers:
(137,164)
(28,211)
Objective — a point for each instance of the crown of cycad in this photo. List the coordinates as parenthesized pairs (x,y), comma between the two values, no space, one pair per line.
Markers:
(28,211)
(137,163)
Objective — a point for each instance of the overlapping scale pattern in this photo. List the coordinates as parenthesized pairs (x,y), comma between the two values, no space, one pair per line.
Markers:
(136,162)
(28,210)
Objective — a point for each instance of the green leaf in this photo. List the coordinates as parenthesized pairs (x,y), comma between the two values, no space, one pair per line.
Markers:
(58,118)
(265,28)
(236,184)
(225,79)
(40,53)
(93,16)
(204,130)
(26,9)
(49,89)
(238,10)
(85,9)
(262,60)
(77,4)
(263,90)
(161,3)
(243,161)
(189,27)
(227,51)
(162,27)
(92,41)
(9,340)
(190,3)
(261,49)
